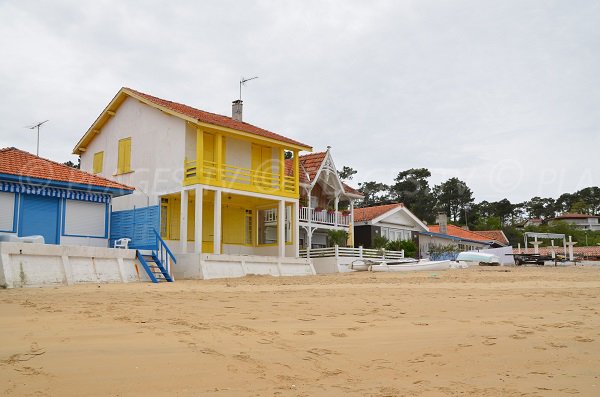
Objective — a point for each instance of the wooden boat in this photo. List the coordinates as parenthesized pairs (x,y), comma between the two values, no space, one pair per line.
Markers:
(361,265)
(410,266)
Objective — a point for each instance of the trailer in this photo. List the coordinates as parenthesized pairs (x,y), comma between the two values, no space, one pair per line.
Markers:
(537,259)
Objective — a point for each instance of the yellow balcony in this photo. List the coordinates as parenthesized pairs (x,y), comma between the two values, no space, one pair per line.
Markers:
(233,177)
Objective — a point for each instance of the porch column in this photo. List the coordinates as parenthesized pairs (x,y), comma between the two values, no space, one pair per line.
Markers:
(217,224)
(296,229)
(198,220)
(309,211)
(281,228)
(336,203)
(183,218)
(352,223)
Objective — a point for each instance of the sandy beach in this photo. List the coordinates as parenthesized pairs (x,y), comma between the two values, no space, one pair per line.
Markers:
(475,332)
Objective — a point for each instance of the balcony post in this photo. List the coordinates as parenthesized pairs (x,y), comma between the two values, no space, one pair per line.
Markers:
(336,203)
(199,153)
(297,173)
(281,169)
(219,156)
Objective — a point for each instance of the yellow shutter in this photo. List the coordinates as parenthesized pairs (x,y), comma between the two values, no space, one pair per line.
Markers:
(98,162)
(124,159)
(209,147)
(266,159)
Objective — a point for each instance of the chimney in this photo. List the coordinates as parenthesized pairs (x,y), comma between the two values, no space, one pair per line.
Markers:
(442,220)
(236,110)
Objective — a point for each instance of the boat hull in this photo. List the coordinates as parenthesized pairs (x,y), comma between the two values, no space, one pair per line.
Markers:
(412,267)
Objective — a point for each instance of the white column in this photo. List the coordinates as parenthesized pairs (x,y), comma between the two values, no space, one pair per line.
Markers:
(198,220)
(352,223)
(183,218)
(570,244)
(281,229)
(296,227)
(217,224)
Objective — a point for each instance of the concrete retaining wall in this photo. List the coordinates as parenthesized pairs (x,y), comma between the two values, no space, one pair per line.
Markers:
(38,265)
(207,266)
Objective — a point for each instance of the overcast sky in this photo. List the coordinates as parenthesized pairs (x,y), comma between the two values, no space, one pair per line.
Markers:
(504,95)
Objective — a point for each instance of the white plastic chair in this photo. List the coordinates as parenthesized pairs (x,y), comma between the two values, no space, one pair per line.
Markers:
(122,243)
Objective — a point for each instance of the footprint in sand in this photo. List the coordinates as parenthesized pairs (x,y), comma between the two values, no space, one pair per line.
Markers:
(309,332)
(320,352)
(489,340)
(339,334)
(515,336)
(583,339)
(556,345)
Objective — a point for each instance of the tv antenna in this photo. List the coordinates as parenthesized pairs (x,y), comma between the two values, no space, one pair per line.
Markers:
(243,82)
(33,127)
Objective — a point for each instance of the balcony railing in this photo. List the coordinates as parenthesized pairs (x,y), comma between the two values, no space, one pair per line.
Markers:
(226,175)
(351,252)
(324,217)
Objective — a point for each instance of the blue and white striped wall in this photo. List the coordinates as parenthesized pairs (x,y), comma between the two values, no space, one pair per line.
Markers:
(62,216)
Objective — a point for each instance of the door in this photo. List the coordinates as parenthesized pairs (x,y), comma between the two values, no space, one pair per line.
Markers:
(39,216)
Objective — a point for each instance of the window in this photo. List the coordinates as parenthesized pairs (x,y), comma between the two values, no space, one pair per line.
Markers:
(267,226)
(248,227)
(288,224)
(98,162)
(124,160)
(7,212)
(85,218)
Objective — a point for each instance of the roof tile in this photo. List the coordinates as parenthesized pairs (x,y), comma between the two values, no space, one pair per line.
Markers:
(215,119)
(20,163)
(369,213)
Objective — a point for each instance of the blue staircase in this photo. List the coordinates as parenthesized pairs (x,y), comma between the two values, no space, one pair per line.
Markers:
(157,263)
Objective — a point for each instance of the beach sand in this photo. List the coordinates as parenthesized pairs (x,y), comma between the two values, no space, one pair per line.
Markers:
(484,331)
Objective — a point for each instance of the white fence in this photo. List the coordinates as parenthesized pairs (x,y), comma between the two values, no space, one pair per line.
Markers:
(359,252)
(324,217)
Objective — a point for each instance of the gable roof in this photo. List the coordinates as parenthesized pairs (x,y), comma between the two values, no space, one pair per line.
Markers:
(366,214)
(465,234)
(183,111)
(378,213)
(29,168)
(496,235)
(576,216)
(310,164)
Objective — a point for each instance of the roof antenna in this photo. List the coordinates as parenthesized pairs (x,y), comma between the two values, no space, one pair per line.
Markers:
(33,127)
(243,82)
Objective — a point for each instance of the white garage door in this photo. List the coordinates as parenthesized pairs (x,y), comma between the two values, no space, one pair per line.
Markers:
(84,218)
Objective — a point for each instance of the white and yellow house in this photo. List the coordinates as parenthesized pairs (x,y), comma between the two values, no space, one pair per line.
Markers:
(228,206)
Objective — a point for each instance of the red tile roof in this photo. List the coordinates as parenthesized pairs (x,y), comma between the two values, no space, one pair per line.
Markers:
(309,166)
(215,119)
(589,251)
(576,216)
(460,233)
(369,213)
(312,163)
(20,163)
(351,190)
(496,235)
